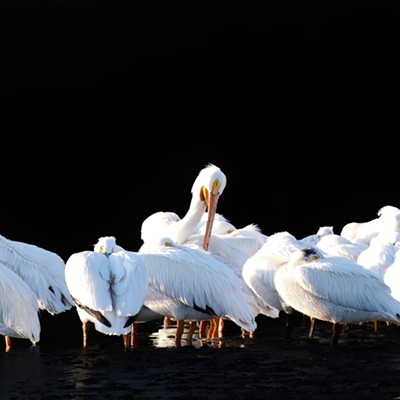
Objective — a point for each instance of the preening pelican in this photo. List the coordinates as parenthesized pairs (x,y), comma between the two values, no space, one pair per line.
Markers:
(108,286)
(206,191)
(335,289)
(19,309)
(42,270)
(189,284)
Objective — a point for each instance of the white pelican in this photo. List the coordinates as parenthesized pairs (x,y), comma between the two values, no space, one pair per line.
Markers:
(313,239)
(337,245)
(259,271)
(334,289)
(233,249)
(19,309)
(391,275)
(42,270)
(380,253)
(362,232)
(206,191)
(189,284)
(108,286)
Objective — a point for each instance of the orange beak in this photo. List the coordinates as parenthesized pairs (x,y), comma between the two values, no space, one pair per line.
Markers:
(211,200)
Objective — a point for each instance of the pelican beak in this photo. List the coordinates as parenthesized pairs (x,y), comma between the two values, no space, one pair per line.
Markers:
(211,202)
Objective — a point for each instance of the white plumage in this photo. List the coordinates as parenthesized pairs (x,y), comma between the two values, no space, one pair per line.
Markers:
(362,232)
(108,286)
(335,289)
(19,310)
(189,284)
(41,270)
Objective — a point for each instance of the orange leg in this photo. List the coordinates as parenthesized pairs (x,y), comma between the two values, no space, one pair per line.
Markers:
(8,343)
(192,328)
(221,324)
(213,330)
(203,329)
(180,325)
(312,326)
(167,322)
(134,337)
(126,338)
(337,329)
(85,331)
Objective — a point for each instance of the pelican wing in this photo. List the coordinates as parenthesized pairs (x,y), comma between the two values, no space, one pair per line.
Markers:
(19,311)
(88,277)
(198,280)
(43,270)
(258,273)
(343,282)
(129,282)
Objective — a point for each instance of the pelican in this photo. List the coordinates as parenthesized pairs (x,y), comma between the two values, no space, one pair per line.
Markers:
(233,249)
(189,284)
(313,239)
(259,271)
(42,270)
(206,191)
(337,245)
(108,286)
(380,253)
(19,309)
(334,289)
(388,220)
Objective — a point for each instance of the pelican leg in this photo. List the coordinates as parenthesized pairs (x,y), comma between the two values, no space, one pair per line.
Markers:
(221,324)
(337,329)
(166,322)
(85,331)
(312,327)
(126,339)
(203,329)
(245,334)
(213,329)
(192,329)
(8,343)
(180,325)
(134,333)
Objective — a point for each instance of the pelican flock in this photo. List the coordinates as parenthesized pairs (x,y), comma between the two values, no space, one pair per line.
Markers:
(203,270)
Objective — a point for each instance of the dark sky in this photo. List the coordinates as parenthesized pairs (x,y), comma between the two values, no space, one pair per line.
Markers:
(66,205)
(112,108)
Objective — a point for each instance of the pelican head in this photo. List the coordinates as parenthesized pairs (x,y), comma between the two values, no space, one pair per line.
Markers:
(209,184)
(305,255)
(310,253)
(106,245)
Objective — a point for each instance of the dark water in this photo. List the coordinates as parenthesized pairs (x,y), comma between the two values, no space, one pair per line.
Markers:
(365,364)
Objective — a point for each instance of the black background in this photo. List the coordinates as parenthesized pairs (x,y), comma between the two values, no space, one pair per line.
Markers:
(112,108)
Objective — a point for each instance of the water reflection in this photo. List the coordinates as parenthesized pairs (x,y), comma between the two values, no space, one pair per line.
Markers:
(164,337)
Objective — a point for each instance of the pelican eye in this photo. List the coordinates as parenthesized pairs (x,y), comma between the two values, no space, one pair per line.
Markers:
(216,186)
(314,257)
(168,244)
